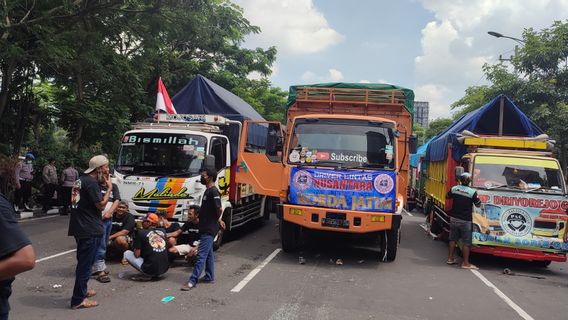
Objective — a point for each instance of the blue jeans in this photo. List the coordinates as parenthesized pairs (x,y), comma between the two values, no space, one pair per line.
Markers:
(99,264)
(86,251)
(204,259)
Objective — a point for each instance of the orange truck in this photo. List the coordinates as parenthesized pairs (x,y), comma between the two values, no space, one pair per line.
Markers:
(340,165)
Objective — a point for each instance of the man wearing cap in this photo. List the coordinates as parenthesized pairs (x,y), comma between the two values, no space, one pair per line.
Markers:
(464,198)
(150,255)
(85,225)
(24,174)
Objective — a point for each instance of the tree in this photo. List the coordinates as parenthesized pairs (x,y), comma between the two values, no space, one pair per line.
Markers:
(537,80)
(436,126)
(419,132)
(90,68)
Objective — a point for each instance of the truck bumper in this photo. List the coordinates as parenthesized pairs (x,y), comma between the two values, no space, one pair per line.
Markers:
(317,218)
(521,254)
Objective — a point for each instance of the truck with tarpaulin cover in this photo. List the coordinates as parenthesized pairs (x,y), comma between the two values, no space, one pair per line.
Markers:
(343,165)
(519,182)
(416,191)
(159,163)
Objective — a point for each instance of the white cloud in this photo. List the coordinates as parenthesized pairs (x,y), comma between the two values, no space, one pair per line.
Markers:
(456,45)
(364,81)
(333,75)
(295,27)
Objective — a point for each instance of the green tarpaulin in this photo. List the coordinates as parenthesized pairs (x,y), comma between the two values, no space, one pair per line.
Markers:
(408,94)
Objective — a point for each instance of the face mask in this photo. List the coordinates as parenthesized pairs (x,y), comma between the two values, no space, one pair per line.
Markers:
(203,181)
(29,161)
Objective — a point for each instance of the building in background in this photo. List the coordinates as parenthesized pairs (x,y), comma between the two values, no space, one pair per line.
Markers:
(421,110)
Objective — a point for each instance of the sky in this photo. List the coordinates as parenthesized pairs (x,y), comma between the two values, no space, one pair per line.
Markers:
(435,47)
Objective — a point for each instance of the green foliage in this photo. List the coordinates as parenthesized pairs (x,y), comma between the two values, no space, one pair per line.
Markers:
(436,126)
(75,74)
(419,131)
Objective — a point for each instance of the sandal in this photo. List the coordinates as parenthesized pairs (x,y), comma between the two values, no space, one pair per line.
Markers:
(103,278)
(451,262)
(471,267)
(85,304)
(91,293)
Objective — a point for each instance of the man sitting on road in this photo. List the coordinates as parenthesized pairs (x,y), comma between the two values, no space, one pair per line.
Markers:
(170,227)
(150,256)
(122,230)
(461,216)
(187,244)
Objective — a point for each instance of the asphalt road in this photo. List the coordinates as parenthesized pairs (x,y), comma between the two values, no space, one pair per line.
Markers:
(418,285)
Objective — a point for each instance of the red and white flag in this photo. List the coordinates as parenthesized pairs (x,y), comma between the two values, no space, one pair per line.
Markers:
(163,102)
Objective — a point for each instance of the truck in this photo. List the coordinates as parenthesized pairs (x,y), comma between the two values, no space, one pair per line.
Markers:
(519,182)
(416,187)
(159,162)
(340,165)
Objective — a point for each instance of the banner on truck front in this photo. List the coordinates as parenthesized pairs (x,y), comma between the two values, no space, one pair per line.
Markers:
(521,220)
(344,189)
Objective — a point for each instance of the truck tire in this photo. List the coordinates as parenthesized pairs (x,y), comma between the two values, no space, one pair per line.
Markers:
(289,236)
(218,240)
(389,244)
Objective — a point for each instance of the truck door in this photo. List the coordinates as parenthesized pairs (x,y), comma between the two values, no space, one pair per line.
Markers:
(259,162)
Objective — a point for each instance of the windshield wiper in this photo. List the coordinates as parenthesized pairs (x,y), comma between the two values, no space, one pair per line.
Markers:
(138,173)
(369,166)
(497,186)
(339,164)
(181,173)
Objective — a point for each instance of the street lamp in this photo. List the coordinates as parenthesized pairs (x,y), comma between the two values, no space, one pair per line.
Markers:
(499,35)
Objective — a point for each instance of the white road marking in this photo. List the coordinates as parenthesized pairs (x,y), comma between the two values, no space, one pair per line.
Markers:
(56,255)
(40,218)
(501,295)
(408,213)
(255,271)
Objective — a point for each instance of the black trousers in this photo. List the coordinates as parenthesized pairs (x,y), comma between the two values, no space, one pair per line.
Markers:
(23,193)
(48,191)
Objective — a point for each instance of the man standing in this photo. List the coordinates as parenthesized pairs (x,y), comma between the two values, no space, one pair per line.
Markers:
(99,267)
(461,216)
(210,218)
(68,177)
(24,174)
(86,226)
(150,255)
(49,177)
(16,253)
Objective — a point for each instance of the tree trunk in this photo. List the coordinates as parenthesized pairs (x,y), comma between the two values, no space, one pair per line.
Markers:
(79,100)
(6,77)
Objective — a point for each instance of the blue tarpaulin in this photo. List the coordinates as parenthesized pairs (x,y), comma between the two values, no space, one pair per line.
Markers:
(483,121)
(203,96)
(421,151)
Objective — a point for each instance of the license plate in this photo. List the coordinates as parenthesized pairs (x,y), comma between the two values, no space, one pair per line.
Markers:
(335,223)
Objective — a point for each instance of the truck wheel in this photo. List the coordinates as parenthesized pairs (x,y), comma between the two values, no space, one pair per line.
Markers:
(389,244)
(218,240)
(542,263)
(289,236)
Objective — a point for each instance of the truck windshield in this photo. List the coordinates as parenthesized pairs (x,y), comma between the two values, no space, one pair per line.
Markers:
(517,173)
(345,143)
(161,154)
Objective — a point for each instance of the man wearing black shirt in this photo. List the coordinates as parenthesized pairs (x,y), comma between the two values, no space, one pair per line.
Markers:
(464,198)
(85,224)
(150,255)
(16,253)
(210,219)
(187,243)
(122,229)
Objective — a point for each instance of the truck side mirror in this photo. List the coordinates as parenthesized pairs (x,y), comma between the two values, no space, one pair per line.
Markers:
(413,142)
(209,162)
(459,171)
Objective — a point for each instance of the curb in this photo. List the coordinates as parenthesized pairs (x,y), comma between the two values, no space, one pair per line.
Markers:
(37,212)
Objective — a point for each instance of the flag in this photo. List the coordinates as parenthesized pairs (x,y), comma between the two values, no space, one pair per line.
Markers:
(163,101)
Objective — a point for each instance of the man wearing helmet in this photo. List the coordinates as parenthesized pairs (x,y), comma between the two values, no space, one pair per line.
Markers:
(464,198)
